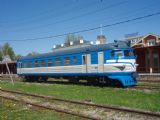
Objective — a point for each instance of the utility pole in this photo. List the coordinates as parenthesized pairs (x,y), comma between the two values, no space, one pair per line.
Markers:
(1,49)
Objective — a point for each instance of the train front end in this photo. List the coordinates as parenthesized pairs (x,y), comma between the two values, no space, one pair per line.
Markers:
(122,66)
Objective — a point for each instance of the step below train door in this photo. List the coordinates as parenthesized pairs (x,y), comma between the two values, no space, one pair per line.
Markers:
(86,62)
(100,62)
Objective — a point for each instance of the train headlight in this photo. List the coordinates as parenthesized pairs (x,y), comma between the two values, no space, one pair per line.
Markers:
(128,68)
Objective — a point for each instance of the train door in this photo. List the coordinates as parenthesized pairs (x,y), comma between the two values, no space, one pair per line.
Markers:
(100,62)
(19,66)
(86,62)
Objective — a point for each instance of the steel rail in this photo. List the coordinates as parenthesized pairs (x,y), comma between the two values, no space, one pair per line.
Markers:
(148,113)
(145,87)
(152,86)
(157,81)
(51,108)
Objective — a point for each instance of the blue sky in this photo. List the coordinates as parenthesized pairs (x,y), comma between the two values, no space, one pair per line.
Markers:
(25,19)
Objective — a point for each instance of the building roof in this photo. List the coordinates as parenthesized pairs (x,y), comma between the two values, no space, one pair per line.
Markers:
(143,37)
(12,62)
(138,40)
(82,49)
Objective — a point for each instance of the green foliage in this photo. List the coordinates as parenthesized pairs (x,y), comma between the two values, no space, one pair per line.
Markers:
(0,55)
(148,100)
(7,50)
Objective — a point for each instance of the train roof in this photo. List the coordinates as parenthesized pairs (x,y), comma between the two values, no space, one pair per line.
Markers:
(81,49)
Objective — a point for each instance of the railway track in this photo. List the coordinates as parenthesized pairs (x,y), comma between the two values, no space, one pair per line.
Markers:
(146,87)
(126,110)
(151,81)
(44,106)
(50,108)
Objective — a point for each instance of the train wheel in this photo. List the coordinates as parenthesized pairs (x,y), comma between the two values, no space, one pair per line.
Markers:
(44,79)
(28,79)
(41,79)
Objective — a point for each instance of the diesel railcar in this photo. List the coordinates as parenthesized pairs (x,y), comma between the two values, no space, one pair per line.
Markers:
(108,63)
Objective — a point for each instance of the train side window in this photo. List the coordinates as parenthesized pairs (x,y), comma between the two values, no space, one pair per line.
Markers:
(49,62)
(25,65)
(36,63)
(67,61)
(83,59)
(74,60)
(112,54)
(117,54)
(29,64)
(58,62)
(43,63)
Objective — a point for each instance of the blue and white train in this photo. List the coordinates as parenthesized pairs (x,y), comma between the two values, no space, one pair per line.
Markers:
(109,63)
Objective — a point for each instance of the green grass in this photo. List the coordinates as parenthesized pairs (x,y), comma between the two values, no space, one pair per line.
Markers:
(141,99)
(13,111)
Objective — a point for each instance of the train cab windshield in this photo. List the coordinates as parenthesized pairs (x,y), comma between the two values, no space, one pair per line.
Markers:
(122,54)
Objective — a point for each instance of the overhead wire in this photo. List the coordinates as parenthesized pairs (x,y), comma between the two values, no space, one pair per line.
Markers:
(102,21)
(89,29)
(78,16)
(114,17)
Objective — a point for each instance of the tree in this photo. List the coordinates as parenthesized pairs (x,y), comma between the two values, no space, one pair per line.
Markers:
(0,55)
(7,50)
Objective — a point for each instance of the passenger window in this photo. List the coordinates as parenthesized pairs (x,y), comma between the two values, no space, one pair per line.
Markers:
(58,62)
(50,62)
(112,54)
(74,60)
(84,60)
(43,63)
(126,53)
(36,63)
(24,65)
(29,65)
(67,61)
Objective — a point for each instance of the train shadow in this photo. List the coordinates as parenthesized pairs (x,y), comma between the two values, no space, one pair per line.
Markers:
(83,83)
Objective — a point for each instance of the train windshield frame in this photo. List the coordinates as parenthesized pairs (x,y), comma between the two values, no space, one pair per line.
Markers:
(122,54)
